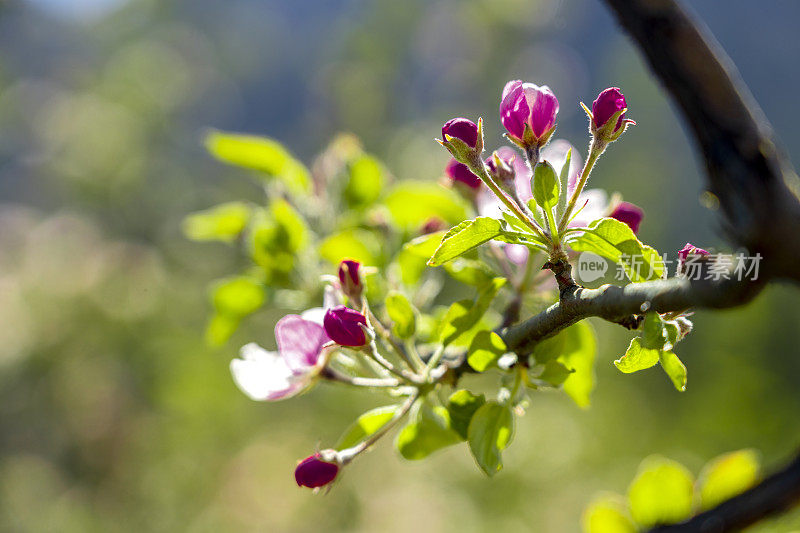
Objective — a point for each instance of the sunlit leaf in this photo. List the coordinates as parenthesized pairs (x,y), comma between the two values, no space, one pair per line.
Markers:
(616,241)
(545,186)
(484,351)
(223,222)
(402,314)
(366,425)
(637,358)
(357,244)
(661,493)
(489,433)
(464,237)
(365,183)
(427,431)
(411,204)
(608,513)
(728,475)
(263,154)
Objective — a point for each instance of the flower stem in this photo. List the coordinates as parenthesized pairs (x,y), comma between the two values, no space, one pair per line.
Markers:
(477,166)
(372,439)
(595,149)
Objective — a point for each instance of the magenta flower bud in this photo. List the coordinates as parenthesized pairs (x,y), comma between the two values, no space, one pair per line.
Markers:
(462,129)
(314,471)
(607,103)
(350,278)
(432,225)
(526,104)
(460,173)
(628,213)
(690,249)
(343,326)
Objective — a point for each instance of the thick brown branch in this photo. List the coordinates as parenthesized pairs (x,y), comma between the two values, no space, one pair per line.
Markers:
(772,496)
(618,304)
(756,187)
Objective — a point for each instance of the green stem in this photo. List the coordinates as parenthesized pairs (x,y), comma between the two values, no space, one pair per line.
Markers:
(595,149)
(372,439)
(477,166)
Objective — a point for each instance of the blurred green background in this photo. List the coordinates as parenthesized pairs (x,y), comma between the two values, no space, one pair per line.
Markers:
(115,415)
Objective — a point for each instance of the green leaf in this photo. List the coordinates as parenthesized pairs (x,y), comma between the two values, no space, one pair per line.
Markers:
(262,154)
(427,431)
(727,476)
(366,425)
(365,183)
(489,433)
(674,368)
(237,296)
(637,358)
(402,315)
(555,373)
(653,335)
(616,241)
(545,186)
(464,314)
(233,298)
(462,405)
(464,237)
(223,222)
(412,203)
(413,257)
(661,493)
(469,271)
(358,244)
(578,354)
(484,351)
(608,513)
(292,231)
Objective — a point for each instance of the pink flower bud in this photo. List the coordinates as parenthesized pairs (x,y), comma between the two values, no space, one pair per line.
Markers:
(314,471)
(432,225)
(460,173)
(350,278)
(462,129)
(628,213)
(343,326)
(690,249)
(526,104)
(607,103)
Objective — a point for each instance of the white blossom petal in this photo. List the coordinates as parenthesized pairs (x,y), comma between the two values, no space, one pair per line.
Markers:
(264,376)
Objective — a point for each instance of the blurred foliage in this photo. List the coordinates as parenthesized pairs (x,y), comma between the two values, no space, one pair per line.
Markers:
(114,413)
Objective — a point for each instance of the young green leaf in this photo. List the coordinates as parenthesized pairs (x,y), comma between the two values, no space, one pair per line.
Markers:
(462,405)
(608,513)
(427,431)
(402,314)
(262,154)
(412,203)
(365,181)
(489,433)
(464,237)
(616,241)
(412,260)
(355,243)
(484,351)
(223,222)
(578,354)
(637,357)
(728,475)
(366,425)
(464,314)
(661,493)
(674,368)
(555,373)
(545,186)
(653,335)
